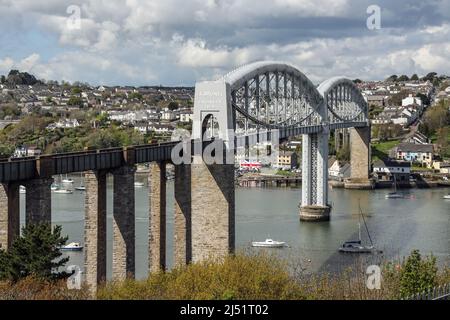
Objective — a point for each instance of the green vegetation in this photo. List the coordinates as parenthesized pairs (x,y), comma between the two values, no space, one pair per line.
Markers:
(285,173)
(35,253)
(380,150)
(415,275)
(374,111)
(247,276)
(343,154)
(436,125)
(386,131)
(32,131)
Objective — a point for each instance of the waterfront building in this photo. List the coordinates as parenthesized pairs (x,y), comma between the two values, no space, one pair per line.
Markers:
(385,170)
(287,160)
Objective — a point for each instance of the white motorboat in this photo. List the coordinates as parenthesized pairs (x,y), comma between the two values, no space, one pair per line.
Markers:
(447,197)
(269,243)
(355,246)
(73,246)
(63,191)
(22,189)
(394,195)
(54,187)
(138,184)
(67,180)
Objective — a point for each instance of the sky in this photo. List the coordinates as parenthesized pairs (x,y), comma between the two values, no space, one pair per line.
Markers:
(179,42)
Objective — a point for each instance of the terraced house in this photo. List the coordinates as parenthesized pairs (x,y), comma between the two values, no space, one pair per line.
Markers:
(417,153)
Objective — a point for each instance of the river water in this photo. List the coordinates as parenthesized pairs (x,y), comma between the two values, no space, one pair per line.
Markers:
(419,221)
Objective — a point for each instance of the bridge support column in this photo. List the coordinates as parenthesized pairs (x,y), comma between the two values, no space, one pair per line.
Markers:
(95,229)
(359,159)
(213,216)
(38,197)
(314,205)
(123,224)
(157,217)
(182,225)
(9,214)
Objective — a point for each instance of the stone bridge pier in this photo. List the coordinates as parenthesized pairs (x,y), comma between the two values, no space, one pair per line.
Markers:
(213,210)
(359,159)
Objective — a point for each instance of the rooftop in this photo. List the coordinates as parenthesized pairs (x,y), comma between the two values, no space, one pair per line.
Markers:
(412,147)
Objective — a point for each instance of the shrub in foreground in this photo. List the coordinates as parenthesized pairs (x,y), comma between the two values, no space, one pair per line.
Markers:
(237,277)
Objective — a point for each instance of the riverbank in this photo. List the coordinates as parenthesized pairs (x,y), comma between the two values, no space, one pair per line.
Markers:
(259,180)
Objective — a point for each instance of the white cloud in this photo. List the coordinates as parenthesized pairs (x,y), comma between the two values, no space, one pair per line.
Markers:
(178,42)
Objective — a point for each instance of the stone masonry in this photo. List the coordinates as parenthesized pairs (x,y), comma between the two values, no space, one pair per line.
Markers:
(123,224)
(38,201)
(157,217)
(213,214)
(95,228)
(9,214)
(182,220)
(360,153)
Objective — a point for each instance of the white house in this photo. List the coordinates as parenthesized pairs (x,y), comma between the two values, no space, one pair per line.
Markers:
(411,100)
(339,170)
(186,116)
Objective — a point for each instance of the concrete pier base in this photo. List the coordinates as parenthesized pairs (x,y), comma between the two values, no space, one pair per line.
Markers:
(360,184)
(315,213)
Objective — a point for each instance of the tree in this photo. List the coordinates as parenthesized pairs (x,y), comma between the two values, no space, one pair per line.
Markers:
(36,252)
(414,77)
(3,79)
(425,100)
(357,81)
(75,101)
(442,140)
(417,274)
(403,78)
(173,105)
(343,154)
(392,78)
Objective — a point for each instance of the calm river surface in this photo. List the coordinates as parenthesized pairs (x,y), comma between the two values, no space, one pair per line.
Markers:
(420,221)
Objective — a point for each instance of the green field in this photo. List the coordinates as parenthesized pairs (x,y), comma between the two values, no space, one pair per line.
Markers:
(380,150)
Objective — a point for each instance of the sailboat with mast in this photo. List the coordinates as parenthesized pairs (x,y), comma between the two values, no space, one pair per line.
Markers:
(356,246)
(395,194)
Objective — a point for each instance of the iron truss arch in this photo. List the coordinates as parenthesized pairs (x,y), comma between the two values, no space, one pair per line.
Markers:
(345,104)
(269,95)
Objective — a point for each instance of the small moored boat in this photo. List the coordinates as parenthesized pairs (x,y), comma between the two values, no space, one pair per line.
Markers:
(447,197)
(73,246)
(355,246)
(269,243)
(138,184)
(62,191)
(80,188)
(395,194)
